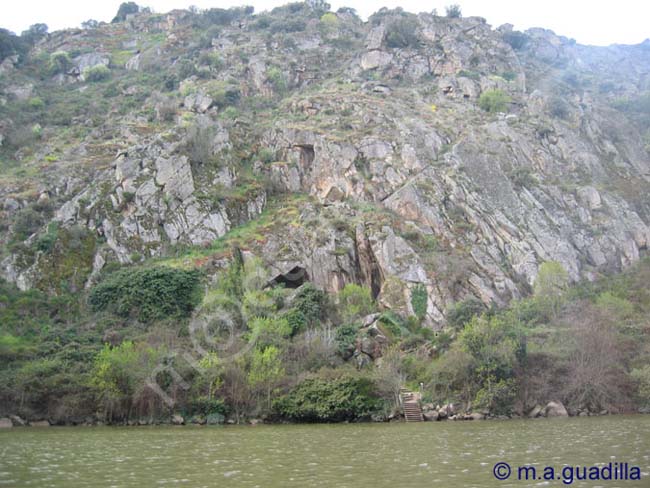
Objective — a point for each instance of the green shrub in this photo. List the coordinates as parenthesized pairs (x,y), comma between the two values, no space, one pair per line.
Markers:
(354,302)
(270,330)
(296,320)
(288,26)
(453,11)
(212,59)
(346,336)
(498,398)
(230,113)
(472,75)
(36,103)
(96,73)
(60,62)
(205,406)
(558,108)
(27,222)
(329,20)
(402,33)
(494,101)
(277,79)
(419,298)
(347,398)
(147,294)
(462,312)
(311,302)
(46,242)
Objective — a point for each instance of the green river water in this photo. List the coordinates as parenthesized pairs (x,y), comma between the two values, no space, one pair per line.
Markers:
(437,454)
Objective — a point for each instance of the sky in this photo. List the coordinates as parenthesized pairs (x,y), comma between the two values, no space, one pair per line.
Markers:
(595,22)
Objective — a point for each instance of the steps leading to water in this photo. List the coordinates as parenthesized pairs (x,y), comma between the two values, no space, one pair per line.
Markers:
(411,406)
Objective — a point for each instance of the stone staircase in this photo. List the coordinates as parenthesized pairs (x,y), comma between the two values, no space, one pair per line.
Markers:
(411,405)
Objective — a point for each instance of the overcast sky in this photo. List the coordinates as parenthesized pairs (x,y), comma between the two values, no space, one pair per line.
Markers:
(596,22)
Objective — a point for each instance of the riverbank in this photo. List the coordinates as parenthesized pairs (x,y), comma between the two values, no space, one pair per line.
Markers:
(442,414)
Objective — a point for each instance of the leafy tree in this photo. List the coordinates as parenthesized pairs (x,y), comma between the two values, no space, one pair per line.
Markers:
(35,33)
(211,369)
(266,369)
(494,101)
(550,285)
(390,375)
(11,44)
(120,377)
(496,346)
(329,20)
(126,8)
(462,312)
(453,11)
(89,24)
(60,62)
(453,374)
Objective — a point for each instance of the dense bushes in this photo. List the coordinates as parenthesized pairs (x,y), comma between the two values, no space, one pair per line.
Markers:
(494,101)
(147,294)
(347,398)
(97,73)
(585,346)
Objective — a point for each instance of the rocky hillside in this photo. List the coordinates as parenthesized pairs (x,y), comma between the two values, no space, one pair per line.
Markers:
(412,149)
(431,160)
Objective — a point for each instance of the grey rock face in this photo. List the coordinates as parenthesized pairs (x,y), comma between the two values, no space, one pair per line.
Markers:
(175,176)
(198,102)
(90,60)
(555,409)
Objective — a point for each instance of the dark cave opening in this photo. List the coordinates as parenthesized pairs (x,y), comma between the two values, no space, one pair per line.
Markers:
(294,278)
(307,154)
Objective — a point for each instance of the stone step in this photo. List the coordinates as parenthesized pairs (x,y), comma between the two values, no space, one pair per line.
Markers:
(410,406)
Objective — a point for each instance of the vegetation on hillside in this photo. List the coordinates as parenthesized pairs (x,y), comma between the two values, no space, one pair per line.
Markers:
(202,331)
(288,354)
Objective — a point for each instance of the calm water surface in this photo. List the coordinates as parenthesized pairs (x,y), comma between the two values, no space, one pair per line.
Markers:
(438,454)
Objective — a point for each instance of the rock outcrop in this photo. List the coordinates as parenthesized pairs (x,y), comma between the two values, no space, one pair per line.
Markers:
(408,184)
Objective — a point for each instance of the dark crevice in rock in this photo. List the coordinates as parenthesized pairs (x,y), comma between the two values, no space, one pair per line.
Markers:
(369,269)
(307,155)
(294,278)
